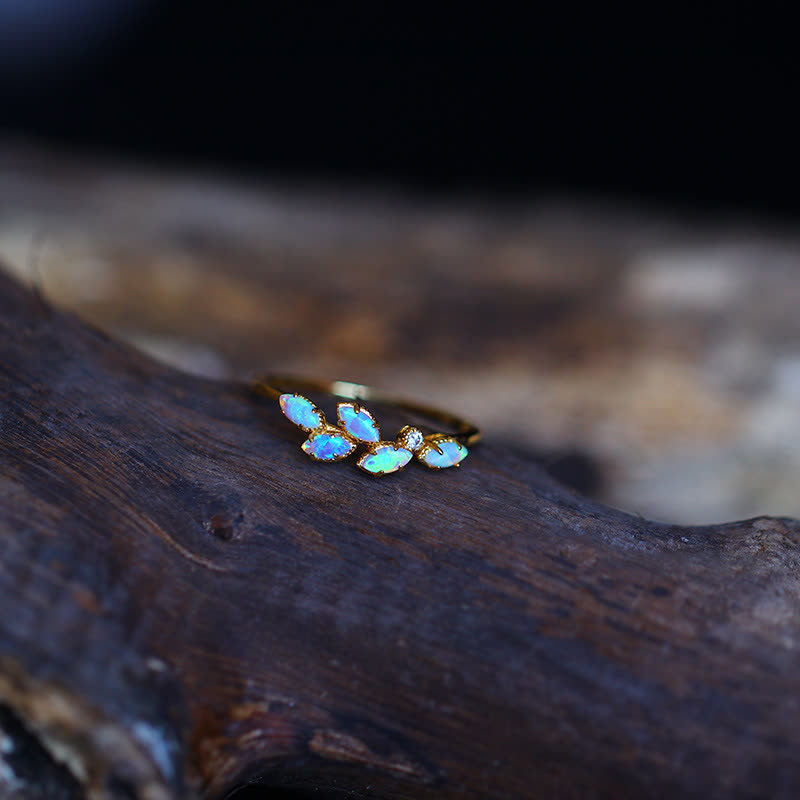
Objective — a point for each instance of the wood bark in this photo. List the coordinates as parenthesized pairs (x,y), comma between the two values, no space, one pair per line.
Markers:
(650,359)
(190,604)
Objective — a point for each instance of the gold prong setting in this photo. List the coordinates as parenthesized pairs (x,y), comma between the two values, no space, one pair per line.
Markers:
(329,443)
(301,411)
(440,451)
(358,422)
(411,438)
(383,458)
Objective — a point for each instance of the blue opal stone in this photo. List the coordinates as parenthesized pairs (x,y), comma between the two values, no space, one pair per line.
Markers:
(359,424)
(301,411)
(385,458)
(328,446)
(453,452)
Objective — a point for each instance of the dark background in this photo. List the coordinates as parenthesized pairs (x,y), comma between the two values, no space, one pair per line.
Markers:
(692,106)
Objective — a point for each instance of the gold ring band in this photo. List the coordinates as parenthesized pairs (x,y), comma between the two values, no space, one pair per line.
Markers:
(357,426)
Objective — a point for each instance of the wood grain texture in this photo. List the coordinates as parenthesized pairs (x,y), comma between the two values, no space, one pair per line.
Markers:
(189,603)
(654,356)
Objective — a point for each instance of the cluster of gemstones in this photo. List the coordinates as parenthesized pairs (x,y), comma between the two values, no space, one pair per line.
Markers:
(327,442)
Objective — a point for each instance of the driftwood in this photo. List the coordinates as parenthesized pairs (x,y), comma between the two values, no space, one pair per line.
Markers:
(188,604)
(650,359)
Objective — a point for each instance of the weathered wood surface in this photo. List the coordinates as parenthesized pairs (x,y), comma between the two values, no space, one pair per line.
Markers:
(658,354)
(189,603)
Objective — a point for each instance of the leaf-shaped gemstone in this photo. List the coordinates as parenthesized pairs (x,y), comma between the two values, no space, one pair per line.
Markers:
(301,411)
(385,458)
(359,423)
(442,453)
(328,446)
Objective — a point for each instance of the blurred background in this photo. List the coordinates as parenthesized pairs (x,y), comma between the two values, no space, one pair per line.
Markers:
(578,227)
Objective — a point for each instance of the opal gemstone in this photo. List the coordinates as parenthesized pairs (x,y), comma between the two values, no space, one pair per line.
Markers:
(328,446)
(360,424)
(384,459)
(453,453)
(301,411)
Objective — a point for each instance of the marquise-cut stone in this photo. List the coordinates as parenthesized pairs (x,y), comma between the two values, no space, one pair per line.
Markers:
(358,423)
(301,411)
(452,453)
(328,446)
(384,459)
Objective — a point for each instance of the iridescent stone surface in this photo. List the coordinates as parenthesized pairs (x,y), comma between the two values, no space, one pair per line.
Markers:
(360,424)
(301,411)
(384,459)
(328,446)
(452,453)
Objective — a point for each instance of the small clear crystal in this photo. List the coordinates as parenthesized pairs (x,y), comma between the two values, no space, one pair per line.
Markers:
(412,438)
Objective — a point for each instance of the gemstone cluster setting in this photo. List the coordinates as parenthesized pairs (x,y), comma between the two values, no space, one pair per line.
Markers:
(357,426)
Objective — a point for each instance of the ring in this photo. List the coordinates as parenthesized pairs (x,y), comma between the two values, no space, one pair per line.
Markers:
(357,426)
